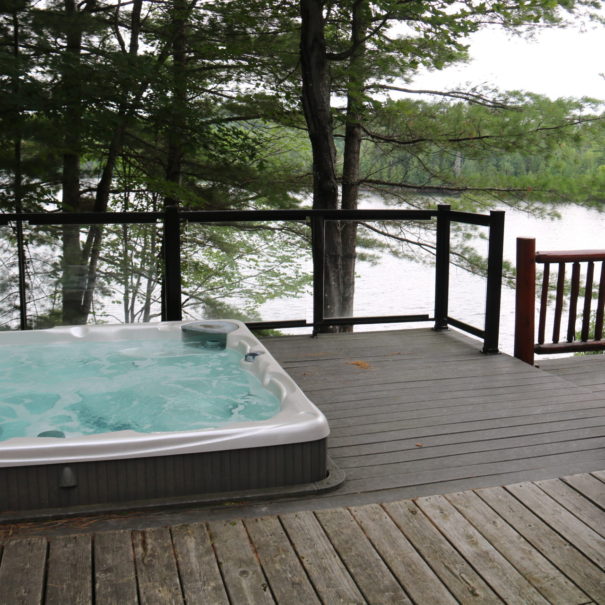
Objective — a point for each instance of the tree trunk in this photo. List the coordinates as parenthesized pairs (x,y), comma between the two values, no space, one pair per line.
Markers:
(177,126)
(18,170)
(74,273)
(94,241)
(316,106)
(360,20)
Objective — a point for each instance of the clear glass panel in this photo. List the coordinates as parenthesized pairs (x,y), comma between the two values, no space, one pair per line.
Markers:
(248,271)
(9,284)
(93,274)
(394,272)
(469,246)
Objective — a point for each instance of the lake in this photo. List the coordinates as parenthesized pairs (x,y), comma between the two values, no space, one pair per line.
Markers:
(398,287)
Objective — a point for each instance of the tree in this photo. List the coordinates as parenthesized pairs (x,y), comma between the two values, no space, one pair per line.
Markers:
(123,107)
(357,49)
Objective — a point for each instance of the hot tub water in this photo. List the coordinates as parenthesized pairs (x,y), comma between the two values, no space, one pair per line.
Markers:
(84,388)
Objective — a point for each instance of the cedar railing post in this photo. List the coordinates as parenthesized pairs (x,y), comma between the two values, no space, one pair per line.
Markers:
(442,267)
(525,300)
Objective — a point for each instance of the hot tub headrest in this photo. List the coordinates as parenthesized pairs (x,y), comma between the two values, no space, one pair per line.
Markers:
(210,334)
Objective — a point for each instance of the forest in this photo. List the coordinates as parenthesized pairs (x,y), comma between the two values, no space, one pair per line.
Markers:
(219,105)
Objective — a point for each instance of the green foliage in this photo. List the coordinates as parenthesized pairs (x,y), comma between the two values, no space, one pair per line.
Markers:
(200,103)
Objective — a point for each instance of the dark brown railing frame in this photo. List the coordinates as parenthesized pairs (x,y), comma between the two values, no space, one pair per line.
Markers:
(527,259)
(172,218)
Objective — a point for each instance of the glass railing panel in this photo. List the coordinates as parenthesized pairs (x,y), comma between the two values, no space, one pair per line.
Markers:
(9,279)
(393,271)
(469,247)
(258,271)
(93,274)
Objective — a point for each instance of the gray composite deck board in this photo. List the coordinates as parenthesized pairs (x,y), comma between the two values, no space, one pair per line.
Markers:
(516,544)
(418,407)
(585,371)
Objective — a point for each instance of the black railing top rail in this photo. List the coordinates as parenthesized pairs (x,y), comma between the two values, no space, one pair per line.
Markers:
(172,217)
(217,216)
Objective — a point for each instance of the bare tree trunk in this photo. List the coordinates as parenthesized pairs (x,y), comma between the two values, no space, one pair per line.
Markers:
(318,115)
(74,273)
(176,129)
(360,20)
(94,240)
(18,170)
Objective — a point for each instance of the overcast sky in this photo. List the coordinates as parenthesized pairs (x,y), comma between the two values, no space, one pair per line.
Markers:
(558,63)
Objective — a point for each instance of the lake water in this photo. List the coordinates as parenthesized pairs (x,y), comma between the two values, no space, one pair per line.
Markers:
(399,287)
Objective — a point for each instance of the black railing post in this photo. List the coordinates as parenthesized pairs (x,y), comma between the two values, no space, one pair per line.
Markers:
(494,282)
(442,267)
(171,310)
(318,244)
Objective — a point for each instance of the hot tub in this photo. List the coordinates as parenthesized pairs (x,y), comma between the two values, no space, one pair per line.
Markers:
(286,449)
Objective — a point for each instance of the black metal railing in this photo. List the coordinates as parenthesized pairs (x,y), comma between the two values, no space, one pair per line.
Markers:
(172,219)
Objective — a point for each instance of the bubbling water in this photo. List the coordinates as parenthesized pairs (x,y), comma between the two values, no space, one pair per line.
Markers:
(83,388)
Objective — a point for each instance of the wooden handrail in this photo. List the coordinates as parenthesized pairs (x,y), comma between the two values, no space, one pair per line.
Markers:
(568,256)
(527,258)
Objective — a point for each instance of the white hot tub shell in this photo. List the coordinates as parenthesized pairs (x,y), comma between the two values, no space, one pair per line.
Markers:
(287,449)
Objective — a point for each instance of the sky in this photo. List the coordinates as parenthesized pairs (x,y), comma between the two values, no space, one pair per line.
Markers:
(557,63)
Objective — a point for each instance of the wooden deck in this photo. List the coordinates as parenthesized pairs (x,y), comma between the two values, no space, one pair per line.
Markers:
(528,543)
(418,412)
(427,429)
(587,371)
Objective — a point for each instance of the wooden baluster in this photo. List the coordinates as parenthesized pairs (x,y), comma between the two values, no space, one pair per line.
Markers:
(587,302)
(573,302)
(559,303)
(598,329)
(543,303)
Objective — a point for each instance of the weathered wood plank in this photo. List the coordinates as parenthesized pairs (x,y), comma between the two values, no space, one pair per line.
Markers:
(561,520)
(285,573)
(453,570)
(241,571)
(156,569)
(600,475)
(328,574)
(201,580)
(412,571)
(510,585)
(575,502)
(536,568)
(568,559)
(372,576)
(22,567)
(69,571)
(114,571)
(589,486)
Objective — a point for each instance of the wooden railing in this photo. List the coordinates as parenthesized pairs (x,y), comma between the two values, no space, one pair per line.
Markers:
(567,296)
